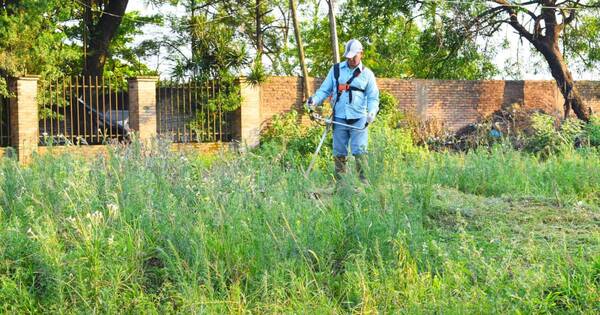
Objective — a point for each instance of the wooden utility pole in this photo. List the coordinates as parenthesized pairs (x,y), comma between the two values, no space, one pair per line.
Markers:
(333,31)
(300,50)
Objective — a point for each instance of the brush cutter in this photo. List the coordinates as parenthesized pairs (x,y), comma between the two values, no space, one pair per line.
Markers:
(329,122)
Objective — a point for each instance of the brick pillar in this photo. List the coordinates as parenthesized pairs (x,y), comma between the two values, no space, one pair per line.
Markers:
(249,121)
(24,120)
(142,106)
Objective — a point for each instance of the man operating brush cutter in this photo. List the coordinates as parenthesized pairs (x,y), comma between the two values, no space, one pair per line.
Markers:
(355,103)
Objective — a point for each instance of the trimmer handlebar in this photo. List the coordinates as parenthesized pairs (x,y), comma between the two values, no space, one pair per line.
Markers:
(328,121)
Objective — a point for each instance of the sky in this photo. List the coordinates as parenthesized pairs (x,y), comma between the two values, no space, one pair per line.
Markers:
(517,50)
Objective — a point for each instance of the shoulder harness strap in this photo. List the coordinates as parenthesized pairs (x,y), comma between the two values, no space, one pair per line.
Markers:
(348,87)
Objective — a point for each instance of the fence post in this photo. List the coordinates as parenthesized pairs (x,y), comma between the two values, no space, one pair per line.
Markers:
(142,106)
(24,116)
(248,123)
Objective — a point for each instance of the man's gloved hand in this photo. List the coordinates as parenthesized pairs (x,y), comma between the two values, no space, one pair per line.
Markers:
(310,104)
(371,117)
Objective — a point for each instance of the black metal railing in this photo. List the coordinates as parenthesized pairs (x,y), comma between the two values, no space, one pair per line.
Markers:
(194,111)
(4,121)
(83,110)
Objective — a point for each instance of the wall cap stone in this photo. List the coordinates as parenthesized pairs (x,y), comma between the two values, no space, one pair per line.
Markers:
(144,79)
(27,78)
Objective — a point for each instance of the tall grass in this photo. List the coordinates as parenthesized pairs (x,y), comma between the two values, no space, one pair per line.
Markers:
(149,231)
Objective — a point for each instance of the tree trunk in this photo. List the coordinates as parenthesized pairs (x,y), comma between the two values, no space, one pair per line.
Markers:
(87,27)
(300,50)
(193,28)
(101,35)
(564,80)
(259,33)
(547,44)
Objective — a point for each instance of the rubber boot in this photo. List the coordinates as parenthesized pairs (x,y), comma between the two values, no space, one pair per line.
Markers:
(340,167)
(361,167)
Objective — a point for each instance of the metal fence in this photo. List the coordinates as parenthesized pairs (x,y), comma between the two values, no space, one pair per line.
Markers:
(83,110)
(194,111)
(4,121)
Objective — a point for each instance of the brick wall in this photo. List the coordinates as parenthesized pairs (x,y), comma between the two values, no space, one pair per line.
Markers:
(455,103)
(590,92)
(282,94)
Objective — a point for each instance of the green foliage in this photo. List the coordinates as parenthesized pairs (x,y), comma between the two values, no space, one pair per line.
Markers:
(315,34)
(226,100)
(582,43)
(395,44)
(222,38)
(31,41)
(283,128)
(549,137)
(4,87)
(389,111)
(258,74)
(275,29)
(291,141)
(146,230)
(216,53)
(592,132)
(46,38)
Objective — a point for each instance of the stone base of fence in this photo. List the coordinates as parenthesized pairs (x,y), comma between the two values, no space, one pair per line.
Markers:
(93,151)
(5,152)
(88,151)
(203,148)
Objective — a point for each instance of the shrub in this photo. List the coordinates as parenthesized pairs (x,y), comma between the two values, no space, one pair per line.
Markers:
(551,137)
(291,142)
(282,128)
(258,74)
(389,113)
(591,132)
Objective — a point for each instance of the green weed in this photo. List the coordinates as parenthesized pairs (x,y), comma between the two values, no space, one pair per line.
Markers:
(149,231)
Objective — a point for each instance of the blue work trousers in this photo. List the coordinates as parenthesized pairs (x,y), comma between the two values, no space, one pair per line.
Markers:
(344,136)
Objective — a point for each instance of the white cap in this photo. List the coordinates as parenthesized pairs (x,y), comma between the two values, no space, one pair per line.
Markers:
(353,47)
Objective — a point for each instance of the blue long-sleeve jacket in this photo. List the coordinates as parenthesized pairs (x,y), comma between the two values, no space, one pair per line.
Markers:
(362,103)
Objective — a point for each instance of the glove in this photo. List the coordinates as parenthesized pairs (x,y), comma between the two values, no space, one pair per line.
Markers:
(310,104)
(371,117)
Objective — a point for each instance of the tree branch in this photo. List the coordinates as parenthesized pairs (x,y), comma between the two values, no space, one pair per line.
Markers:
(514,21)
(568,19)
